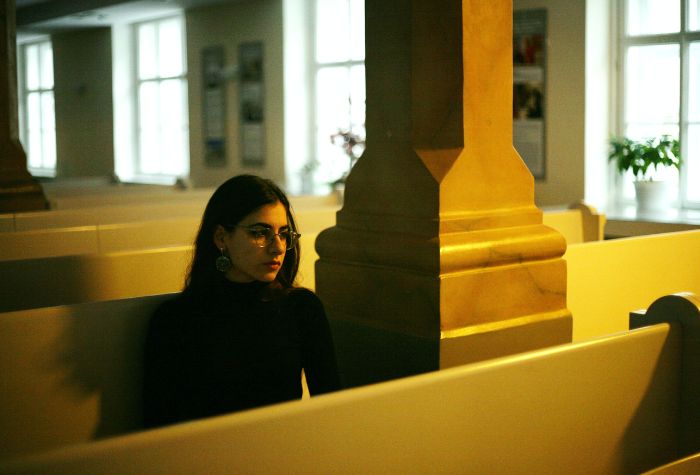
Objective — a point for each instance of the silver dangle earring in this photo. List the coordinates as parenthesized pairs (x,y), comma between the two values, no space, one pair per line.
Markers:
(223,263)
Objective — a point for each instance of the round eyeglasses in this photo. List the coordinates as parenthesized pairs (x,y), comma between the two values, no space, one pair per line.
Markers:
(263,237)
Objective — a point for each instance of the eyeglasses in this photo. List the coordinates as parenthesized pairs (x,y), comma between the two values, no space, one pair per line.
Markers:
(263,237)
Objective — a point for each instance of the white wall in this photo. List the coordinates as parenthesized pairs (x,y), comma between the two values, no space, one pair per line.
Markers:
(83,98)
(564,99)
(229,26)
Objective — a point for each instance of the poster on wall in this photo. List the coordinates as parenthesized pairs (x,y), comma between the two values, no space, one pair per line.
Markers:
(529,60)
(214,106)
(251,103)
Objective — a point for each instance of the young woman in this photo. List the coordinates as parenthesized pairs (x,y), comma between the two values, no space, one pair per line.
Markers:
(240,333)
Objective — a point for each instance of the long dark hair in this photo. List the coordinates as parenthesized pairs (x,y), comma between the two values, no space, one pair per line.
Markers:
(235,199)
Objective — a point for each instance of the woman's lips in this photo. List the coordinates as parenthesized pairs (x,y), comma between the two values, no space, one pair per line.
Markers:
(273,264)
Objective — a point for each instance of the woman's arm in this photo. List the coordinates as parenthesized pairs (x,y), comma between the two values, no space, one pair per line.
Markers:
(162,371)
(318,353)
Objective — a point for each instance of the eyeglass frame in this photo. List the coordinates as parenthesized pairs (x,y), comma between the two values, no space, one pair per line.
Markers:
(289,244)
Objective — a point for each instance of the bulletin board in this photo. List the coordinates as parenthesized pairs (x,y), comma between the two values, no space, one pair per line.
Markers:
(529,91)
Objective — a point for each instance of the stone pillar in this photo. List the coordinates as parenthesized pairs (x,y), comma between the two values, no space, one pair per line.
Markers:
(439,256)
(18,190)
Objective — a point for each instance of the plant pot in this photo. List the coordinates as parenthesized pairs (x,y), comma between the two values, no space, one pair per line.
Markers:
(339,192)
(652,195)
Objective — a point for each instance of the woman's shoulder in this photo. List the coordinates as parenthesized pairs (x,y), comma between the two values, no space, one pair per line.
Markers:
(305,304)
(302,296)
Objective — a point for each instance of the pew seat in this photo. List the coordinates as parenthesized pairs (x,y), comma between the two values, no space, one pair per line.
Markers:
(623,403)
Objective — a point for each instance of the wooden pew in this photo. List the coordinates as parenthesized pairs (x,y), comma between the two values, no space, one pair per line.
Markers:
(185,206)
(62,280)
(623,403)
(71,373)
(147,234)
(35,283)
(577,225)
(607,279)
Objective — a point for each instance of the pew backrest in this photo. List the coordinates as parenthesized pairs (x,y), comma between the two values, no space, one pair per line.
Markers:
(70,279)
(156,232)
(608,279)
(108,214)
(604,406)
(578,223)
(71,373)
(62,280)
(188,204)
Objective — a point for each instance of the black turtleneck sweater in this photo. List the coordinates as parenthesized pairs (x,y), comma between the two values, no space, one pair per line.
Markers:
(235,347)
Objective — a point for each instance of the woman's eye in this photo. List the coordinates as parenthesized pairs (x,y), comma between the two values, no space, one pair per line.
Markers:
(258,233)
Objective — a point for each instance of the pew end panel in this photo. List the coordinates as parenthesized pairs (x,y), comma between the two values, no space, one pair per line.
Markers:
(682,309)
(578,223)
(607,405)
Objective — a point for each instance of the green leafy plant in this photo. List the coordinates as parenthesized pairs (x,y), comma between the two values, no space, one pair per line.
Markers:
(640,156)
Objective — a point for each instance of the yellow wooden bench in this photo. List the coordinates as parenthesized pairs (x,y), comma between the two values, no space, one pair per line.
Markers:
(623,403)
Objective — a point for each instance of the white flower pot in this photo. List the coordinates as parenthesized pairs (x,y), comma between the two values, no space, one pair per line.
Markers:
(652,195)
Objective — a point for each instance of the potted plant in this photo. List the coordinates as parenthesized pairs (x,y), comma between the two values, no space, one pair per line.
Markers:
(353,146)
(643,157)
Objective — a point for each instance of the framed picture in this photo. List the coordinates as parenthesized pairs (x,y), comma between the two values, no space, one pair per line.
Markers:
(251,95)
(214,106)
(529,80)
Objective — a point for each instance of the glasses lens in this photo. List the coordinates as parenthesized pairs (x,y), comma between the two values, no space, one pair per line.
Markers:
(264,237)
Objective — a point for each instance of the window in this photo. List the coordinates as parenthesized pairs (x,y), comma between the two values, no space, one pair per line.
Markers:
(338,79)
(37,122)
(660,84)
(161,129)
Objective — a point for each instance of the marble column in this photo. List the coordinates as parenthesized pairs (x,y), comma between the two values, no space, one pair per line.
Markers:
(439,256)
(18,190)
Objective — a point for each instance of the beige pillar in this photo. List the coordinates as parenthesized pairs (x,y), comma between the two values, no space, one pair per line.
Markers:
(439,256)
(18,190)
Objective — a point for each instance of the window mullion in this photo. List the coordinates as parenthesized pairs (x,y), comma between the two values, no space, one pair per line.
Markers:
(314,66)
(683,121)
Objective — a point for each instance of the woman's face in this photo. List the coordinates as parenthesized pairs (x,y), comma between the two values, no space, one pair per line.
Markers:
(250,262)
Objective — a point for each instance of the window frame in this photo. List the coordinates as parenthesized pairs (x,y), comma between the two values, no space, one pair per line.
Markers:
(25,92)
(138,174)
(314,67)
(683,39)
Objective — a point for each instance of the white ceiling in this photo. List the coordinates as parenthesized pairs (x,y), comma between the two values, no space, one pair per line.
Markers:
(49,16)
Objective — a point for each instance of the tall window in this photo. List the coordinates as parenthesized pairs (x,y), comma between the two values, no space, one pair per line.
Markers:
(162,125)
(660,83)
(37,121)
(338,78)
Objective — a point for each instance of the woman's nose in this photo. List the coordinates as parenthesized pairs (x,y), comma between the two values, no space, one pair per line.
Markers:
(278,245)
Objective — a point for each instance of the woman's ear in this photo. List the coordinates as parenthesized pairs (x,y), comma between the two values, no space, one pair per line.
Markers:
(219,237)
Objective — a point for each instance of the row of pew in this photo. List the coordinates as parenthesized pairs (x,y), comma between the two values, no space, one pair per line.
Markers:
(603,405)
(596,270)
(157,207)
(621,403)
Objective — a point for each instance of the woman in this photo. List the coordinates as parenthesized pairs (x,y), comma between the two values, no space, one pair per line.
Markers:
(240,333)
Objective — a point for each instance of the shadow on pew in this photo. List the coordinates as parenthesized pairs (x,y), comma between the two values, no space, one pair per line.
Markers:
(624,403)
